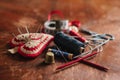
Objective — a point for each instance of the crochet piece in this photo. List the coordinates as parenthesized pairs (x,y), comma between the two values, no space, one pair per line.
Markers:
(31,44)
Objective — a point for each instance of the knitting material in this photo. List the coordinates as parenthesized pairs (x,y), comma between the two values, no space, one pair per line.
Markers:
(60,53)
(68,43)
(31,44)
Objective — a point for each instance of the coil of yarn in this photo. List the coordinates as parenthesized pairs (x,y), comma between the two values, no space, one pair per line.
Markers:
(68,43)
(60,53)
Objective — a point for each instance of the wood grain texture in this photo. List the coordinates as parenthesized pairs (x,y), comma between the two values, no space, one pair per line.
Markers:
(102,16)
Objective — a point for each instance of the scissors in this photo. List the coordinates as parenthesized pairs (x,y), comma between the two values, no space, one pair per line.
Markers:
(95,38)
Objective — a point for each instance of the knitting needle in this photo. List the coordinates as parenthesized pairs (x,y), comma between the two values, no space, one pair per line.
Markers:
(72,62)
(75,61)
(86,62)
(95,65)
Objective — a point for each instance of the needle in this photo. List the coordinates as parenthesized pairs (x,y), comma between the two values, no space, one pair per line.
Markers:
(38,28)
(19,30)
(26,29)
(13,34)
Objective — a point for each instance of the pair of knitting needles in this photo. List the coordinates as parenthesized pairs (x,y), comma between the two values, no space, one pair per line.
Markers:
(83,60)
(78,58)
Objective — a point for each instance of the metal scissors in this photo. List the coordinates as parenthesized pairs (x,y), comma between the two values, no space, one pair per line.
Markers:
(97,36)
(104,37)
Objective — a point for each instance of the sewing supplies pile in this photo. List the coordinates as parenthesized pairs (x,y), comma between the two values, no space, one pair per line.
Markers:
(69,44)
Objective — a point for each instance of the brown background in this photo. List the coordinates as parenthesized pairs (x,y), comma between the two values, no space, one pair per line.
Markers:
(102,16)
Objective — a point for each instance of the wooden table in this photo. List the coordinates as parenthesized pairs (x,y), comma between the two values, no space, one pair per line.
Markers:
(102,16)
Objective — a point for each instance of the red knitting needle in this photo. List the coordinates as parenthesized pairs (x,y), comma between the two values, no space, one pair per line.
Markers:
(75,61)
(95,65)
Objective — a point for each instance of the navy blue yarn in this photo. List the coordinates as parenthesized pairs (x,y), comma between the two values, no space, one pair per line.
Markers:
(68,43)
(60,53)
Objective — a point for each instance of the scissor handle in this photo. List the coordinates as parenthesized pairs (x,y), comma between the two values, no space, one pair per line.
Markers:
(103,36)
(111,37)
(95,35)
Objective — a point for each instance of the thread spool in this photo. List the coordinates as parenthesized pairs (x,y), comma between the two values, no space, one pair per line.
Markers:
(78,36)
(74,28)
(61,54)
(68,43)
(49,58)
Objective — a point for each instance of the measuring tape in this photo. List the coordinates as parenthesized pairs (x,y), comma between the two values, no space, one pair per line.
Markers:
(54,26)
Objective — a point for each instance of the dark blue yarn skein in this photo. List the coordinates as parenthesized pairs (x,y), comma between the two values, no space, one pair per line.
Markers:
(60,53)
(69,44)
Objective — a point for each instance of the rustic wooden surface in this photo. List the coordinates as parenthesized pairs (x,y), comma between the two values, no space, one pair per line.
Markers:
(102,16)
